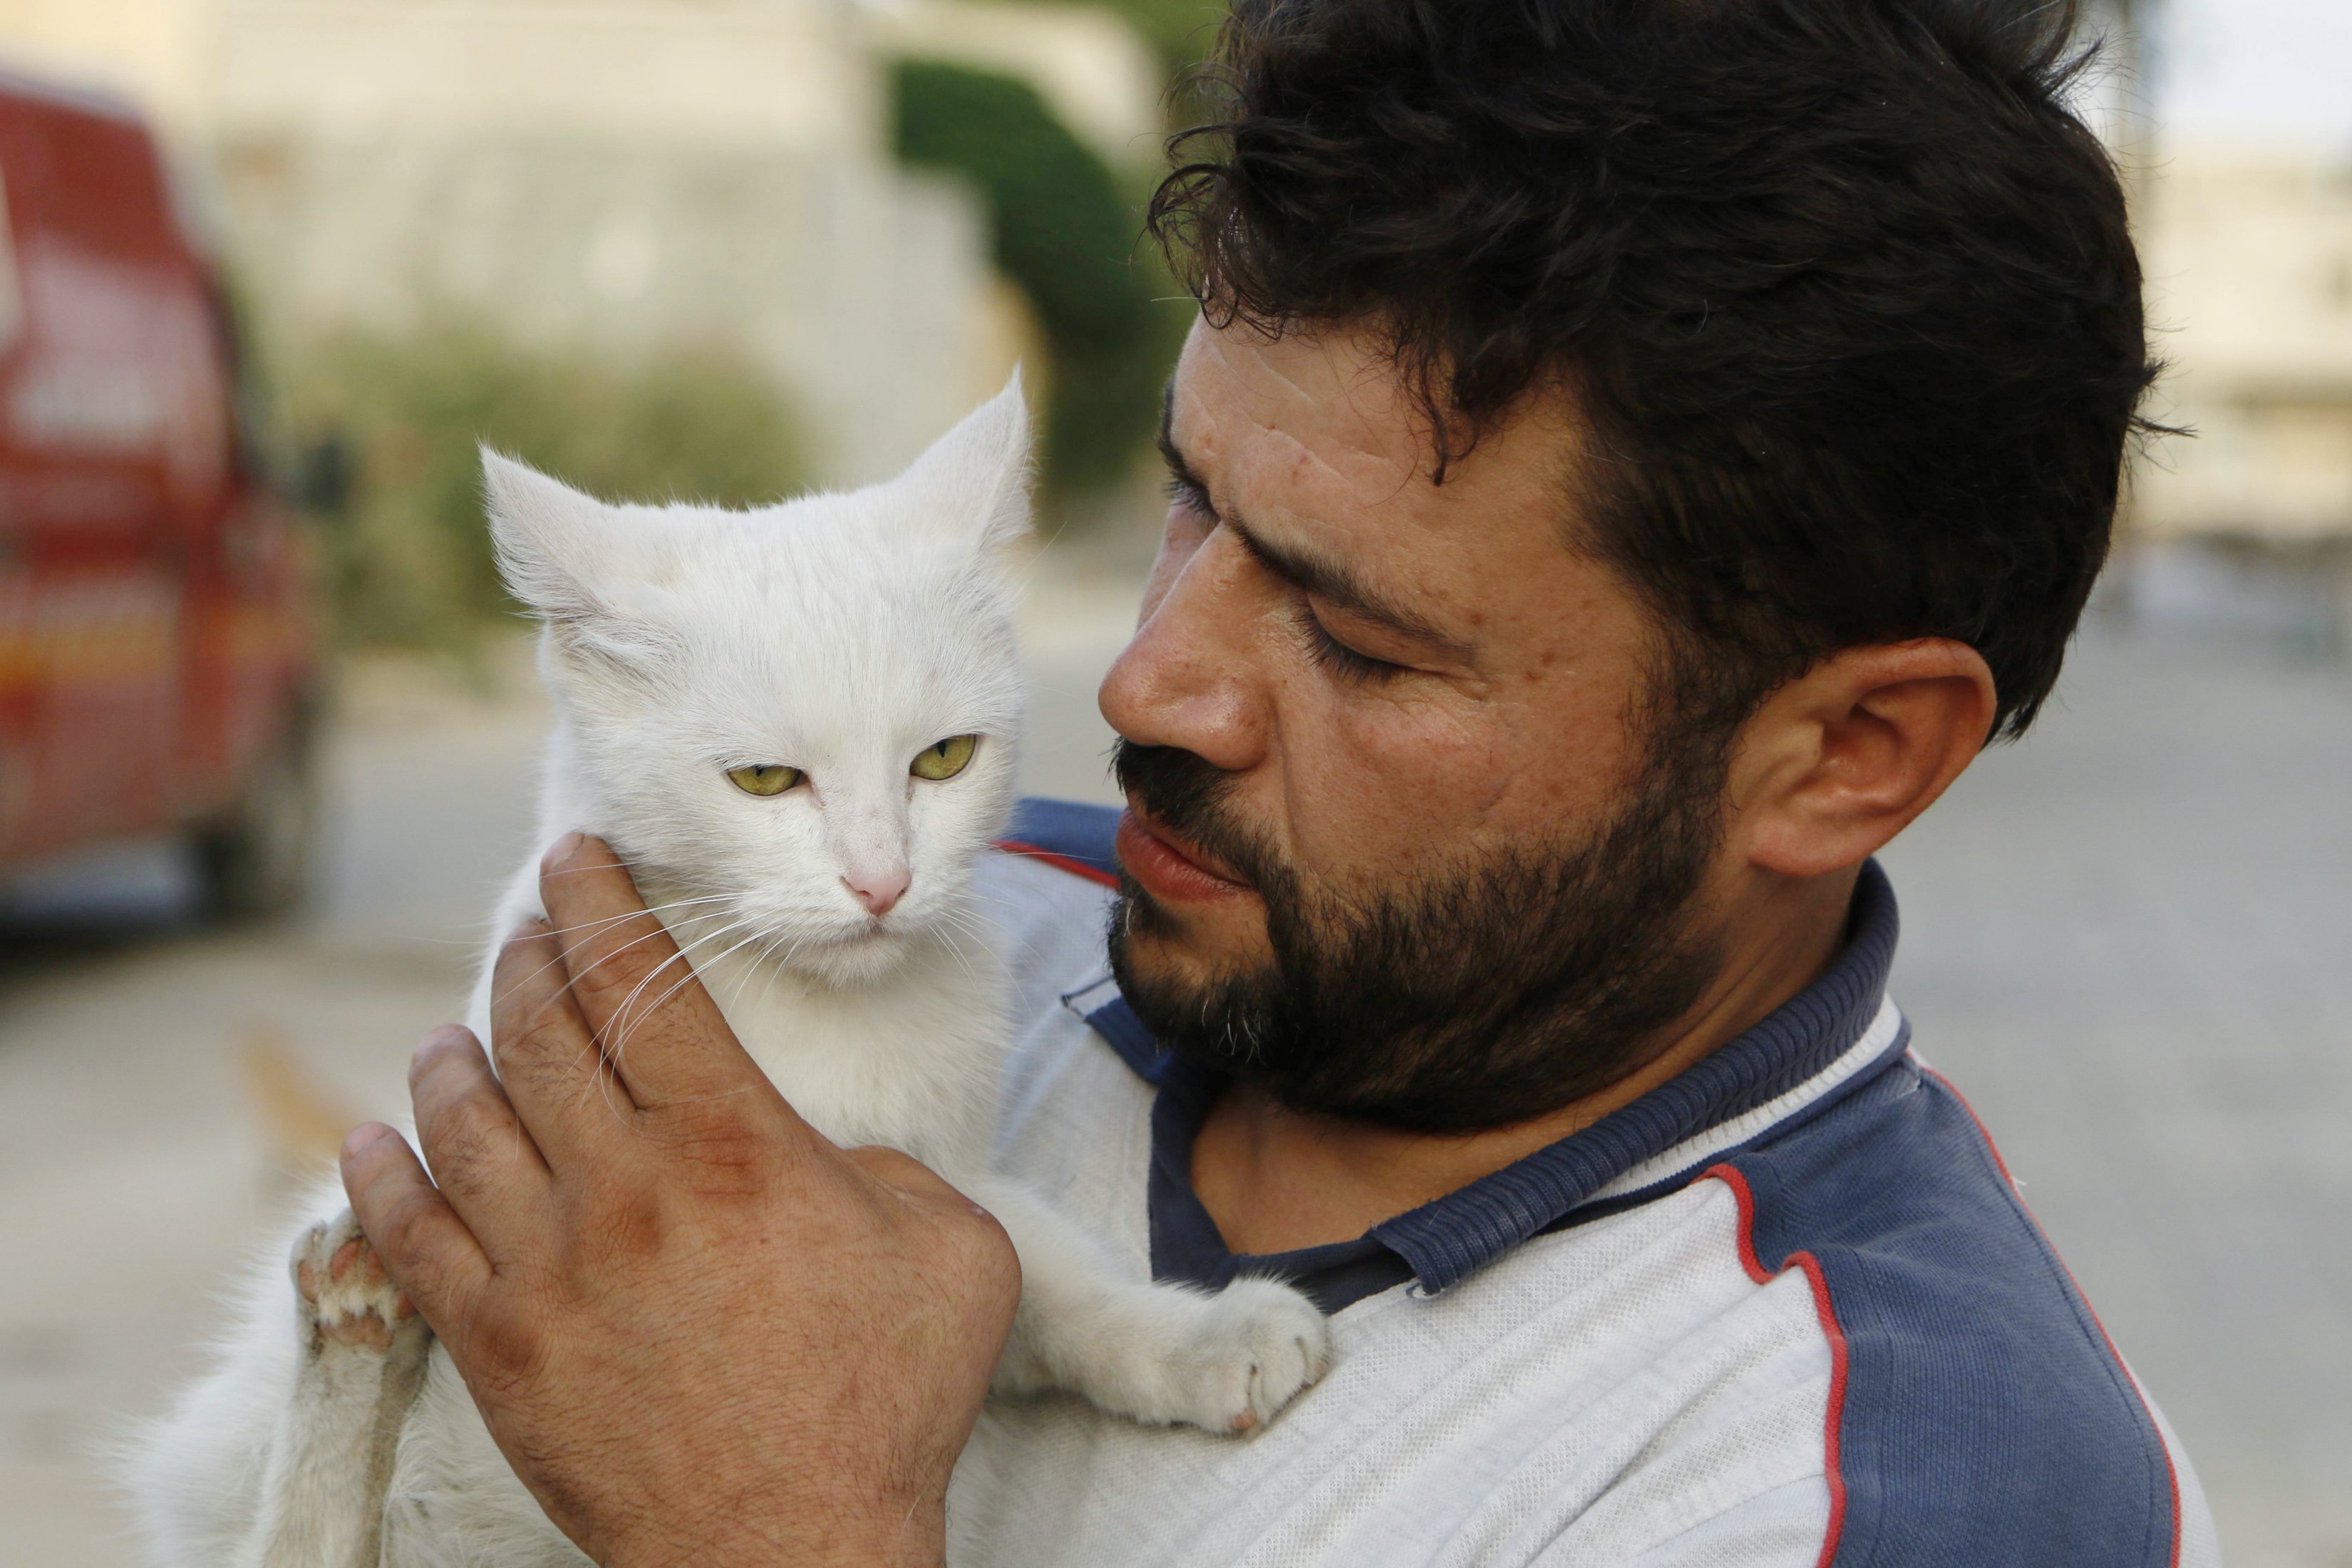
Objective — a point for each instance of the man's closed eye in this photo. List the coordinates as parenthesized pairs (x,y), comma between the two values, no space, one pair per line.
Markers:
(1348,665)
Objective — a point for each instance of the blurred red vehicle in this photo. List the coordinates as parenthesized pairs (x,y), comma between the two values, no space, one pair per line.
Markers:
(158,663)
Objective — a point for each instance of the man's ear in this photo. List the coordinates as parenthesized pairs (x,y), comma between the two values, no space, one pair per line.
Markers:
(972,485)
(1841,759)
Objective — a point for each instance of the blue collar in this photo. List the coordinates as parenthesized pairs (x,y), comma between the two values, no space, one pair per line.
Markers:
(1439,1245)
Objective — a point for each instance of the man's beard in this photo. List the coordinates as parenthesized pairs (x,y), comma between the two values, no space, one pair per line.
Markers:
(1487,995)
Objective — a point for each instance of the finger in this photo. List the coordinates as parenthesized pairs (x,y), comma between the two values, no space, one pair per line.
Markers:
(478,1151)
(555,1075)
(664,1037)
(424,1247)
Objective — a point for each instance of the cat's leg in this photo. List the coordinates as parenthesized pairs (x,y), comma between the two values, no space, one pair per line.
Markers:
(1159,1354)
(362,1351)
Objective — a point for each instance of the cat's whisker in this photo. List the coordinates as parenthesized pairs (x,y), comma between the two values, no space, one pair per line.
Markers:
(947,935)
(589,926)
(622,1020)
(557,962)
(752,967)
(685,944)
(656,910)
(605,1081)
(965,916)
(766,961)
(625,864)
(683,982)
(628,1014)
(981,929)
(775,965)
(763,968)
(951,925)
(627,1007)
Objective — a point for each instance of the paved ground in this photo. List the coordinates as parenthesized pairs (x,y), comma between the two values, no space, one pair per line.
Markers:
(2130,941)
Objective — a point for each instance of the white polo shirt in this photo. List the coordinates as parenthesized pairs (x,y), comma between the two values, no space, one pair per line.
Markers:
(1787,1309)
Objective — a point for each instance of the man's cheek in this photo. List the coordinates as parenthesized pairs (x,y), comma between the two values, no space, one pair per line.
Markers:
(1375,791)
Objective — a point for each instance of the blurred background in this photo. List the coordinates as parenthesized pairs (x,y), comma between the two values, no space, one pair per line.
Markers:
(270,268)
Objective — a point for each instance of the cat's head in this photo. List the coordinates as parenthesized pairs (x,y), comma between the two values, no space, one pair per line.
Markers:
(804,715)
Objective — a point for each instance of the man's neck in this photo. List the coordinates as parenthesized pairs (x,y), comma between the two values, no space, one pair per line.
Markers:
(1276,1181)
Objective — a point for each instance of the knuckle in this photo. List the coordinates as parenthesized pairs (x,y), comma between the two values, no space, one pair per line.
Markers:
(465,1141)
(729,1153)
(522,960)
(719,1153)
(887,1164)
(547,1037)
(630,1224)
(617,963)
(506,1348)
(986,1251)
(409,1248)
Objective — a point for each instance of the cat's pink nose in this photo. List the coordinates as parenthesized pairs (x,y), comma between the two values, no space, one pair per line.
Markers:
(879,891)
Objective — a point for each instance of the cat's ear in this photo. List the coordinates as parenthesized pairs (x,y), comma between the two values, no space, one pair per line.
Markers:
(557,550)
(554,542)
(972,485)
(550,539)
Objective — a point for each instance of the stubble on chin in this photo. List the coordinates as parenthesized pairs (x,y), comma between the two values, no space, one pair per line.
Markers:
(1470,997)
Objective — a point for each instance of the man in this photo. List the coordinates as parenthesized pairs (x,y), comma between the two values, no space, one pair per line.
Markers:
(1633,455)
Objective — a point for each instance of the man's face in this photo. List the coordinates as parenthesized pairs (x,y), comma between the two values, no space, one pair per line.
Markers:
(1408,842)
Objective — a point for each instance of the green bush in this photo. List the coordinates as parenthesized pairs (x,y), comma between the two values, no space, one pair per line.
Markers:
(1183,31)
(1067,238)
(410,555)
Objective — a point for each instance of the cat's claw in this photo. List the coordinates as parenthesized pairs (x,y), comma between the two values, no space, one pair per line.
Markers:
(1259,1344)
(347,1298)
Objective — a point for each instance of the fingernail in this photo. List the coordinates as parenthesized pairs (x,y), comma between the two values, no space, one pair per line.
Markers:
(365,1137)
(430,1045)
(562,850)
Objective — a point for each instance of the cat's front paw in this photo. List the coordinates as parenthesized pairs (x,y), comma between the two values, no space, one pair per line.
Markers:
(1257,1345)
(347,1298)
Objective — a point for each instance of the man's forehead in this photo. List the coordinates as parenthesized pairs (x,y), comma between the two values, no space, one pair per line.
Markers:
(1314,410)
(1318,431)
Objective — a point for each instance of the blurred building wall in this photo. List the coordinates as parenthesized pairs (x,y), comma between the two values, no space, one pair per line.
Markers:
(636,173)
(2249,262)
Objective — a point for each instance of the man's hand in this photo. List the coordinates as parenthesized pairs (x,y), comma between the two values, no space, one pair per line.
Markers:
(700,1331)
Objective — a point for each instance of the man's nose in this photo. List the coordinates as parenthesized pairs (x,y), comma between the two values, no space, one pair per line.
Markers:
(1186,680)
(879,888)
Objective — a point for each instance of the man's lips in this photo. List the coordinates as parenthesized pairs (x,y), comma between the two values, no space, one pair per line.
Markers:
(1167,871)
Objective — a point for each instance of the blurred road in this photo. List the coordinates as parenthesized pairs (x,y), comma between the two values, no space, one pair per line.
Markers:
(2129,939)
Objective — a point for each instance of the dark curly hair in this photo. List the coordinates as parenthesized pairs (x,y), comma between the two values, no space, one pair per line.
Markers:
(1843,292)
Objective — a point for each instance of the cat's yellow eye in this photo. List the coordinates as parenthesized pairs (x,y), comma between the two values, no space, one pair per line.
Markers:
(945,760)
(763,778)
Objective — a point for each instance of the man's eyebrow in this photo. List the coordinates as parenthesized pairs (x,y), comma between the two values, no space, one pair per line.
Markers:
(1170,454)
(1311,571)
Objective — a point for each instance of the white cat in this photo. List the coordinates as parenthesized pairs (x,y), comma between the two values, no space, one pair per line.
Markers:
(798,725)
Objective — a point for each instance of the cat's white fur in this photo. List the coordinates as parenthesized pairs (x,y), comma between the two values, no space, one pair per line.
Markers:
(840,635)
